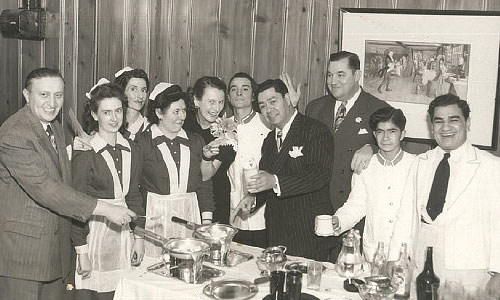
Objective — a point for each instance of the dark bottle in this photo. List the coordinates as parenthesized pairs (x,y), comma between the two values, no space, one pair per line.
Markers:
(426,278)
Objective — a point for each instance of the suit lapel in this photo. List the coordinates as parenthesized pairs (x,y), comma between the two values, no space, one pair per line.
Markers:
(290,140)
(43,138)
(467,170)
(63,165)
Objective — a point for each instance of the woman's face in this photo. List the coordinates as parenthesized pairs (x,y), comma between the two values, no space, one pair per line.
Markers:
(136,92)
(210,105)
(109,115)
(172,118)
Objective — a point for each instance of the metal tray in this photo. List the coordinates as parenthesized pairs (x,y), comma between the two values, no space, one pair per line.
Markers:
(207,272)
(235,257)
(231,289)
(299,266)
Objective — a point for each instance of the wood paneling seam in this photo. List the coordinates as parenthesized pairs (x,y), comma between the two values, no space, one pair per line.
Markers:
(285,44)
(125,32)
(76,32)
(255,3)
(217,39)
(310,25)
(190,42)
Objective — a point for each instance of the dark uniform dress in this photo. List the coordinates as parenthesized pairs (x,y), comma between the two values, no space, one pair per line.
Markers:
(93,176)
(220,181)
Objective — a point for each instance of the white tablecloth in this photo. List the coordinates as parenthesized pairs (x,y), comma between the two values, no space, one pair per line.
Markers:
(141,284)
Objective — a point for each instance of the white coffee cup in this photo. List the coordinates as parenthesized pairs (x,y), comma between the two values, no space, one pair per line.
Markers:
(323,225)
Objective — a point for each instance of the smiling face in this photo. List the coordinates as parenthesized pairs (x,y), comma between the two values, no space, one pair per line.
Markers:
(276,109)
(136,92)
(388,137)
(172,118)
(240,93)
(45,97)
(210,105)
(449,127)
(342,82)
(109,115)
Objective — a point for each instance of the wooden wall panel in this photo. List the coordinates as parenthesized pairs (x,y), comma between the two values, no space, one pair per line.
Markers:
(493,5)
(204,35)
(110,21)
(10,84)
(464,4)
(86,58)
(421,4)
(318,52)
(137,34)
(235,38)
(297,40)
(180,19)
(268,49)
(159,42)
(337,4)
(51,44)
(378,3)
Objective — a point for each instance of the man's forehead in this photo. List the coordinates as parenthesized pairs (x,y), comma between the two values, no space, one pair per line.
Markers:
(387,125)
(47,81)
(448,111)
(267,94)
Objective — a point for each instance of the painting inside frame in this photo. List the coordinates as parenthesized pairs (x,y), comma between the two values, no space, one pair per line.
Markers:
(409,57)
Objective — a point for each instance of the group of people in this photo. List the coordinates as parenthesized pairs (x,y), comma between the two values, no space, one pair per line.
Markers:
(140,162)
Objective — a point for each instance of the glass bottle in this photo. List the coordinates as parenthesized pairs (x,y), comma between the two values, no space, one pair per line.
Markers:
(350,262)
(379,260)
(426,278)
(403,270)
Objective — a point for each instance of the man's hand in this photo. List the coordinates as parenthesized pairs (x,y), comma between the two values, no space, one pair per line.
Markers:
(261,182)
(361,158)
(211,149)
(493,286)
(244,206)
(137,253)
(293,94)
(116,214)
(84,265)
(82,144)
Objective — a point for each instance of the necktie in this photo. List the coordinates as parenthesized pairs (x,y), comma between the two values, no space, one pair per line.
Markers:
(279,141)
(439,187)
(339,116)
(51,136)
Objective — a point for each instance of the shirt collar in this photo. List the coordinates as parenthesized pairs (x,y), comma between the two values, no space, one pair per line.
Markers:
(455,155)
(246,119)
(159,137)
(350,101)
(390,163)
(99,144)
(286,128)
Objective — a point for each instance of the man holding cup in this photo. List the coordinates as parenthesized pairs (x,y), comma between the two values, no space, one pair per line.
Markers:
(376,192)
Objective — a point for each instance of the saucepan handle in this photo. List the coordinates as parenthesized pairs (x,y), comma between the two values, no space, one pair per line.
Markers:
(149,234)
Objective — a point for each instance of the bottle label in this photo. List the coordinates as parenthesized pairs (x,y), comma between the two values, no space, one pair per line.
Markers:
(402,284)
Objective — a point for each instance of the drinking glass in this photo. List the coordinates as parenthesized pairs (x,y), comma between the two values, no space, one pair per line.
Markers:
(314,271)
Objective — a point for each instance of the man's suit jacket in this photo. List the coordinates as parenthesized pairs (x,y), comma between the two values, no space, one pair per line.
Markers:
(36,201)
(471,212)
(353,133)
(303,182)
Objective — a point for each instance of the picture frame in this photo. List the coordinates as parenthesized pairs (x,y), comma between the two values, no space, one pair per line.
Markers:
(409,57)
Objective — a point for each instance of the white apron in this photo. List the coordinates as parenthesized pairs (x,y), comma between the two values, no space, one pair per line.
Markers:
(109,244)
(179,203)
(432,235)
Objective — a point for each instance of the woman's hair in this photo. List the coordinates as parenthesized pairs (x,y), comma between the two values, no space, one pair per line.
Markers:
(122,80)
(101,92)
(201,84)
(163,101)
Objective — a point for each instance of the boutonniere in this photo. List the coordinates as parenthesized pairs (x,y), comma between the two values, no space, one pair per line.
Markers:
(296,151)
(358,120)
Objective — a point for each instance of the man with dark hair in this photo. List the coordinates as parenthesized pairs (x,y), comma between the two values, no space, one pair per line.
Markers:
(36,198)
(376,192)
(346,111)
(294,174)
(451,203)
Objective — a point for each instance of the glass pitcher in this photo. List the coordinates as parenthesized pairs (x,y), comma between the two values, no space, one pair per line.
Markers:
(350,261)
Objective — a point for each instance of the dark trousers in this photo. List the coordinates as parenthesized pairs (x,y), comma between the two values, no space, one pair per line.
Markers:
(17,289)
(93,295)
(256,238)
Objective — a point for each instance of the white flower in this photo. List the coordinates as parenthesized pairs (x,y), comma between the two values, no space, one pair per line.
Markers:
(358,120)
(296,151)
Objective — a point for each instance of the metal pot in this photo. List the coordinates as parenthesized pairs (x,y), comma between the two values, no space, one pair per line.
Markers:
(219,237)
(271,259)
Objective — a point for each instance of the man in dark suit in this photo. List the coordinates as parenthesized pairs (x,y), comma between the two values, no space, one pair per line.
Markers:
(36,199)
(294,174)
(346,111)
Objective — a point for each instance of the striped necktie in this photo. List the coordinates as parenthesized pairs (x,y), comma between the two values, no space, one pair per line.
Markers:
(279,141)
(339,116)
(51,136)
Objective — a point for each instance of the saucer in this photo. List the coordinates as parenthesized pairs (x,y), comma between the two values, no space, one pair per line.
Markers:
(324,234)
(303,296)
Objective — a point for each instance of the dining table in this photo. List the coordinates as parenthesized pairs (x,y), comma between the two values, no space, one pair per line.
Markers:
(142,284)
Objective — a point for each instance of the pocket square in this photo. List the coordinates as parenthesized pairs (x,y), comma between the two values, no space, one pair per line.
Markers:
(296,151)
(362,131)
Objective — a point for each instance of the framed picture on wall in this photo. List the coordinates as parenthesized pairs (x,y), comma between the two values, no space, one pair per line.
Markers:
(409,57)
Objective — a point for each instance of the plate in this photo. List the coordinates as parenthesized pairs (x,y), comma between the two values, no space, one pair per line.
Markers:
(303,296)
(299,266)
(231,289)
